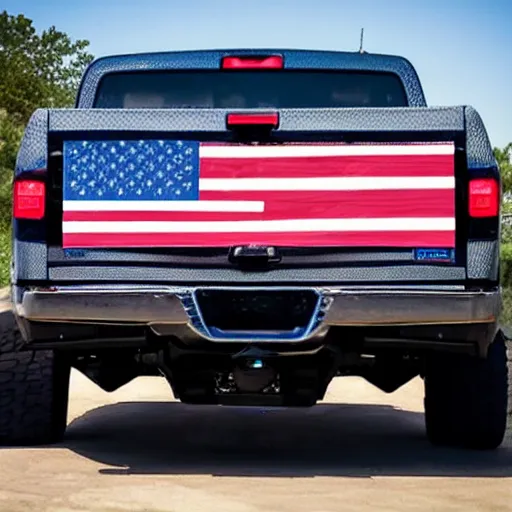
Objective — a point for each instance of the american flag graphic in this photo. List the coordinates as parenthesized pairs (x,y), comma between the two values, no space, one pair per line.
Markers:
(163,193)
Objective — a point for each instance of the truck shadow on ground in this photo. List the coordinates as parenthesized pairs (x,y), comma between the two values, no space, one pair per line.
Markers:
(358,441)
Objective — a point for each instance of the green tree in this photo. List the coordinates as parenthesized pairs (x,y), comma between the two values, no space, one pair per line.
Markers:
(504,159)
(37,70)
(10,136)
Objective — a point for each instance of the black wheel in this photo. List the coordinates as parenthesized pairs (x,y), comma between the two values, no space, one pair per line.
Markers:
(34,388)
(466,398)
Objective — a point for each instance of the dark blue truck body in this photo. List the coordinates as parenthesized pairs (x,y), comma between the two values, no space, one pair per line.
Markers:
(159,305)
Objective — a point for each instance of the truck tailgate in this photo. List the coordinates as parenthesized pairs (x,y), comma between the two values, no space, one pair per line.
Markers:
(327,187)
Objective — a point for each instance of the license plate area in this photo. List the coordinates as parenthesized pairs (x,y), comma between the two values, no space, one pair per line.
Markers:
(257,314)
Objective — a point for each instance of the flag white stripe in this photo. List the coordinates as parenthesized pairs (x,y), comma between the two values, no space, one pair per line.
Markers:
(269,226)
(327,184)
(165,206)
(291,151)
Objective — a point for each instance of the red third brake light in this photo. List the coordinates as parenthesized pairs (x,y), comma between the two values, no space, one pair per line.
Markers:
(260,119)
(484,198)
(29,199)
(253,62)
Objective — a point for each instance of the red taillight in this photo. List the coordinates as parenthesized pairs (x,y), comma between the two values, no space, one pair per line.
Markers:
(270,119)
(484,198)
(29,199)
(252,62)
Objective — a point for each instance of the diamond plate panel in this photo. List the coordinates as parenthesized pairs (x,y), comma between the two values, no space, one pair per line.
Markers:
(479,149)
(214,120)
(483,259)
(34,145)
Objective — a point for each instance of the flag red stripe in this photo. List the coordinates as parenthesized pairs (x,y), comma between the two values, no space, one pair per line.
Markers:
(343,205)
(368,203)
(335,166)
(312,239)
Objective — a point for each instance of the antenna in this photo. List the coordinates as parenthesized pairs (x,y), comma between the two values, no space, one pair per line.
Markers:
(361,41)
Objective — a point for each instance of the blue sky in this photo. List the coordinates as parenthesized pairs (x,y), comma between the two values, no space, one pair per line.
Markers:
(462,49)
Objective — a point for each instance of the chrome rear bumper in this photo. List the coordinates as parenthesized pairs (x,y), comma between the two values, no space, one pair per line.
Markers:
(163,307)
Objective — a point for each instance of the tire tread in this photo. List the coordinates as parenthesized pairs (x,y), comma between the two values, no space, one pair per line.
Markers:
(466,398)
(34,387)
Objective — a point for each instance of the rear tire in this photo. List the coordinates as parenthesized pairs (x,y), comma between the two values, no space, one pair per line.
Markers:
(34,388)
(466,398)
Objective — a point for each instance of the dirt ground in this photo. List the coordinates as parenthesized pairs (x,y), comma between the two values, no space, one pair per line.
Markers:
(138,450)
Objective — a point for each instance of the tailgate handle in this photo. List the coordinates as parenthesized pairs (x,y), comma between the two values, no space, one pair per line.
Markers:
(260,119)
(254,257)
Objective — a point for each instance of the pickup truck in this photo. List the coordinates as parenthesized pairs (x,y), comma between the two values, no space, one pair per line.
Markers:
(248,225)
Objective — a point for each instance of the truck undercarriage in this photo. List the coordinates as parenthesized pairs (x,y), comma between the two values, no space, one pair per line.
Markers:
(255,345)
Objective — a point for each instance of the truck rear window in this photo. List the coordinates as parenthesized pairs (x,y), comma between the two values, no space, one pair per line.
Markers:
(250,89)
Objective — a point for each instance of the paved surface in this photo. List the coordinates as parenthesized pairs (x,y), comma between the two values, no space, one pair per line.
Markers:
(137,450)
